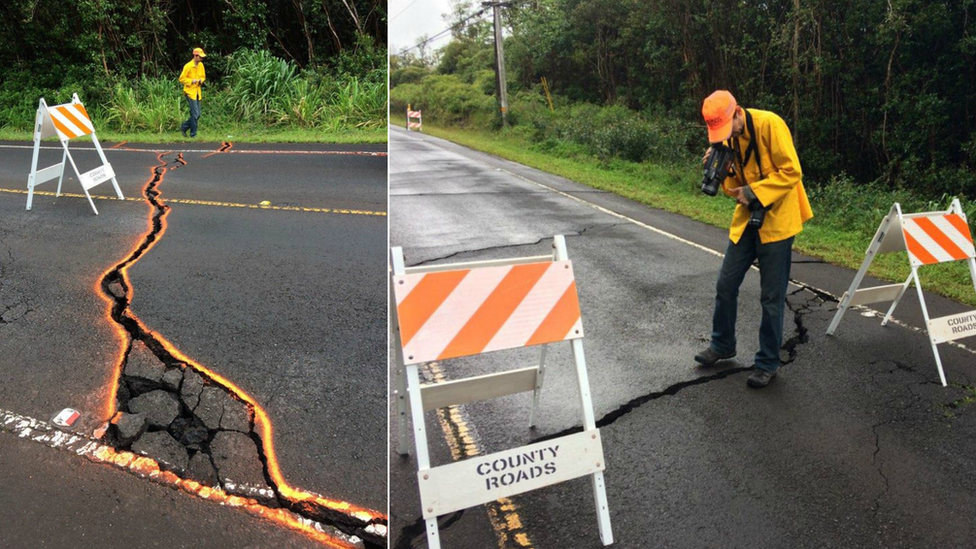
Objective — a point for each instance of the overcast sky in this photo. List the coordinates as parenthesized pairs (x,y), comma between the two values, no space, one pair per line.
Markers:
(411,19)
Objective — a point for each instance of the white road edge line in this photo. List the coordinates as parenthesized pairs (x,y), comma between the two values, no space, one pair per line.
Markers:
(867,311)
(44,433)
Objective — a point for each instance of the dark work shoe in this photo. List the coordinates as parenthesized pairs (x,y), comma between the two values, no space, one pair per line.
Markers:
(709,357)
(183,132)
(760,378)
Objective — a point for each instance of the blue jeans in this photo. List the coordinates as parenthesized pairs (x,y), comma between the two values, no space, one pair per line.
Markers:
(191,123)
(775,259)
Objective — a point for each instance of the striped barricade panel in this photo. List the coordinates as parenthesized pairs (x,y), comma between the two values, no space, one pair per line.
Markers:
(70,120)
(465,312)
(413,114)
(937,238)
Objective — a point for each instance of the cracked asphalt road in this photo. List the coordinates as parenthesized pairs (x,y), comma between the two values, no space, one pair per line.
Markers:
(855,444)
(288,305)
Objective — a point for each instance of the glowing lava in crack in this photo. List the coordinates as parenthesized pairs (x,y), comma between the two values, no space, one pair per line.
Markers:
(113,286)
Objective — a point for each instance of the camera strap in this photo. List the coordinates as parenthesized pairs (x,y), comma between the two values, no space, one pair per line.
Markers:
(753,147)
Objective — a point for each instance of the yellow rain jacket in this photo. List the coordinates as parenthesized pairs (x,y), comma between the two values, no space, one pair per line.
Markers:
(782,186)
(190,73)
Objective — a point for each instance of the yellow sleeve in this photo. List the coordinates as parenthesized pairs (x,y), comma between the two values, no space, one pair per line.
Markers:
(787,172)
(203,73)
(185,76)
(730,183)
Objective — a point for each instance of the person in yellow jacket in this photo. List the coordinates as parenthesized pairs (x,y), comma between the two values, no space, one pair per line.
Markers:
(766,172)
(192,78)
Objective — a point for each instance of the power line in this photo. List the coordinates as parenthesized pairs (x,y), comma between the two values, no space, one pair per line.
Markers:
(441,34)
(403,10)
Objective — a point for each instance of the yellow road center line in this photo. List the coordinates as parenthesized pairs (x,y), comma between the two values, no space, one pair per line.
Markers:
(502,513)
(262,206)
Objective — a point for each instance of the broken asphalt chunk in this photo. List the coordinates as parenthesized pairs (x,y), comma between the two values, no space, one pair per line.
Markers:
(129,427)
(237,460)
(190,391)
(201,470)
(160,446)
(143,370)
(159,407)
(172,378)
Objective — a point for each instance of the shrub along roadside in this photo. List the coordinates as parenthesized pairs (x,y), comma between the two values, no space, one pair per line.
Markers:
(847,213)
(262,98)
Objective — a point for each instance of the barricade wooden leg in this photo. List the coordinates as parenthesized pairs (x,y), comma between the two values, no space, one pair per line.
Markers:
(401,405)
(845,302)
(925,315)
(589,423)
(32,179)
(101,155)
(78,175)
(539,377)
(894,304)
(602,509)
(420,441)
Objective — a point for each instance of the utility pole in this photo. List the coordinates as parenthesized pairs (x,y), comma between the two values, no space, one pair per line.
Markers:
(500,59)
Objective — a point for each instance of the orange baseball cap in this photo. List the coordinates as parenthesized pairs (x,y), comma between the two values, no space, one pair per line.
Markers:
(718,110)
(199,51)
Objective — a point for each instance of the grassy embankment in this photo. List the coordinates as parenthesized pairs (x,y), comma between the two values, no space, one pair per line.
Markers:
(847,214)
(260,99)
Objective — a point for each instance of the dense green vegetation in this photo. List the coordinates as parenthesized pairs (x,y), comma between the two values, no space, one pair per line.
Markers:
(879,96)
(294,70)
(881,91)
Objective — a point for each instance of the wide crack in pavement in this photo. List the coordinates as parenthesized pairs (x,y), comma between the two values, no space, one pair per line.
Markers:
(195,423)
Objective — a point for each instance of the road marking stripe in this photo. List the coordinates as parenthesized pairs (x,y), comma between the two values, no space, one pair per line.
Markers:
(344,211)
(462,439)
(43,433)
(238,151)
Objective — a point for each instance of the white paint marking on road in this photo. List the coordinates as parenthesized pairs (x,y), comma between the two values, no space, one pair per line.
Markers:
(84,446)
(672,236)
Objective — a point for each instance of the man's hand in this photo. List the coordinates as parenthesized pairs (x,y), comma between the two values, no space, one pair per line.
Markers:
(739,194)
(705,158)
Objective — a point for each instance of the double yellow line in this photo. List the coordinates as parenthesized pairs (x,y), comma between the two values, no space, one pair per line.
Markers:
(339,211)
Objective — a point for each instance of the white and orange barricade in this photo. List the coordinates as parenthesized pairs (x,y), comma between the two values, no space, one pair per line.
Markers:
(929,238)
(415,120)
(67,122)
(441,312)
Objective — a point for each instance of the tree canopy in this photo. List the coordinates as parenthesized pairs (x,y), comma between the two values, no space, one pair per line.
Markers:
(878,90)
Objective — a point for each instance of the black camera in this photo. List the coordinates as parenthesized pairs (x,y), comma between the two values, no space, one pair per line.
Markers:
(757,214)
(716,168)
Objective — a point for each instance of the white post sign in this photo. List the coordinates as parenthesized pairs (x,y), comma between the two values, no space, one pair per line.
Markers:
(481,479)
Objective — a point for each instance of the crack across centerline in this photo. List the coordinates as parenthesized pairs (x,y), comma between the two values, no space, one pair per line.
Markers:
(196,424)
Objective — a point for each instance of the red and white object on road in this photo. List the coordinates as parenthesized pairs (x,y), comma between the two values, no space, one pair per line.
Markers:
(66,418)
(929,238)
(67,122)
(413,115)
(442,312)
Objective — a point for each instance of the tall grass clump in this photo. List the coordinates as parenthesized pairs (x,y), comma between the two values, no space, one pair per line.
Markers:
(260,84)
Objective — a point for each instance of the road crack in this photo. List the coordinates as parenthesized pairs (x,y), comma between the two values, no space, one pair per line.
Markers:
(515,245)
(173,409)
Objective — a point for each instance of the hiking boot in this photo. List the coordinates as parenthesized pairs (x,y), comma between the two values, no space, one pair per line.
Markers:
(760,378)
(183,131)
(709,357)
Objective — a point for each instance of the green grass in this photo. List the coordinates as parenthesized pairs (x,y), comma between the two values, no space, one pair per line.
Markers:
(846,216)
(236,134)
